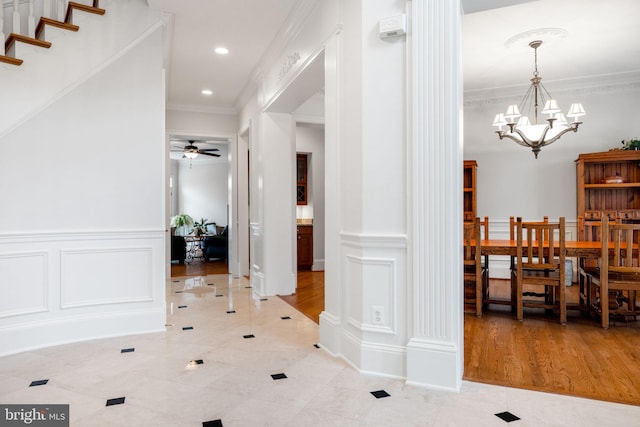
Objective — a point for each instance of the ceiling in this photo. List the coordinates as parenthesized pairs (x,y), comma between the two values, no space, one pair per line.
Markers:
(582,38)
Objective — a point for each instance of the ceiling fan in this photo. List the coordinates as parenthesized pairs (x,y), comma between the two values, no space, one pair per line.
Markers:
(191,151)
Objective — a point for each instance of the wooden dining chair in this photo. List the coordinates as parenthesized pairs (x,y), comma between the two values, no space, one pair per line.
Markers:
(589,230)
(618,278)
(473,270)
(538,266)
(512,236)
(484,231)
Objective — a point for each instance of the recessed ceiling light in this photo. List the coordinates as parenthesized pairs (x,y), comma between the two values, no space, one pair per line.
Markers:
(207,92)
(221,50)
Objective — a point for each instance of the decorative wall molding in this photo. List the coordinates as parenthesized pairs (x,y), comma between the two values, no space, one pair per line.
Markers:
(373,273)
(592,85)
(290,61)
(24,276)
(86,278)
(65,236)
(361,240)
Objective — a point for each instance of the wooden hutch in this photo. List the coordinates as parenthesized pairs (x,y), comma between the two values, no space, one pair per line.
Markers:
(469,189)
(608,183)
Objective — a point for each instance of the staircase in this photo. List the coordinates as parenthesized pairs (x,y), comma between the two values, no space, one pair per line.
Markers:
(56,45)
(35,36)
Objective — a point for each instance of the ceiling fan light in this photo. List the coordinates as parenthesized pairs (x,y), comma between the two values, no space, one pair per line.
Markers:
(191,154)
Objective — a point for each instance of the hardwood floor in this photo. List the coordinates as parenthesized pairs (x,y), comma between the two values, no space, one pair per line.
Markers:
(309,296)
(198,268)
(580,359)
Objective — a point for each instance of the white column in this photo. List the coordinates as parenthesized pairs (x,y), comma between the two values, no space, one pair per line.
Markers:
(277,228)
(330,318)
(435,348)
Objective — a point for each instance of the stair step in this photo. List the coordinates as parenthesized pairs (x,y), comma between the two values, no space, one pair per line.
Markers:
(10,60)
(54,23)
(13,37)
(82,7)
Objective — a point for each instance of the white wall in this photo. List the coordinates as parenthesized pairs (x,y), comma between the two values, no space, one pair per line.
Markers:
(82,227)
(181,121)
(202,190)
(310,140)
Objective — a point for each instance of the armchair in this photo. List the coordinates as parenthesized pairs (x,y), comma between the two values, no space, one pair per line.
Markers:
(216,246)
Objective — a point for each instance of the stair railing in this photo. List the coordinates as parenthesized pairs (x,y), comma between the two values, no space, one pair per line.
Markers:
(21,16)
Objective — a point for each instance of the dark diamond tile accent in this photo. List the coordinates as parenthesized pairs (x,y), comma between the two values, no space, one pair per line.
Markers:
(176,281)
(179,292)
(187,328)
(219,295)
(278,376)
(379,394)
(231,311)
(248,336)
(197,362)
(248,287)
(264,299)
(38,382)
(316,346)
(285,317)
(128,350)
(214,423)
(182,306)
(116,401)
(507,416)
(210,284)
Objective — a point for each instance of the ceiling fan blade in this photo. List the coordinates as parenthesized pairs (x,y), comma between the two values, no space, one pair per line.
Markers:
(209,149)
(208,154)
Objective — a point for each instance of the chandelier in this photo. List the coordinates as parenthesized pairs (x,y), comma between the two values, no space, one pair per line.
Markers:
(537,135)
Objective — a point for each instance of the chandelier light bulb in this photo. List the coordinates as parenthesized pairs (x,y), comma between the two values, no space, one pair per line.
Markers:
(512,112)
(576,111)
(551,107)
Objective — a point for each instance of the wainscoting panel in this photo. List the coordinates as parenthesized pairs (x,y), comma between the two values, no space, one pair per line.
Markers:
(353,294)
(374,296)
(23,283)
(62,287)
(87,276)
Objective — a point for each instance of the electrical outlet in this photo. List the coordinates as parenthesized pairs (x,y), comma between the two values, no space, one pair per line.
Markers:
(377,315)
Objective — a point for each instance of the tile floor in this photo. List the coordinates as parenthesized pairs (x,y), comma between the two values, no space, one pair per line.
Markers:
(229,360)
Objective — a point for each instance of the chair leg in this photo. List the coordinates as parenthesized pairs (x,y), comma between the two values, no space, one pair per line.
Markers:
(479,287)
(563,303)
(604,307)
(519,314)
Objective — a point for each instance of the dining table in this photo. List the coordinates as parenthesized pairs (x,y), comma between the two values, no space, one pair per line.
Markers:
(573,249)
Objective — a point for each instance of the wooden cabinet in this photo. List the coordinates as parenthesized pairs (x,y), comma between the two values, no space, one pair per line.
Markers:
(608,183)
(305,247)
(301,179)
(469,183)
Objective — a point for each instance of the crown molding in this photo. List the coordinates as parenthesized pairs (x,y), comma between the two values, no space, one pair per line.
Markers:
(604,83)
(202,109)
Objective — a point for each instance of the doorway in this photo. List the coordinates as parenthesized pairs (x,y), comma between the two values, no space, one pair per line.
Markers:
(198,188)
